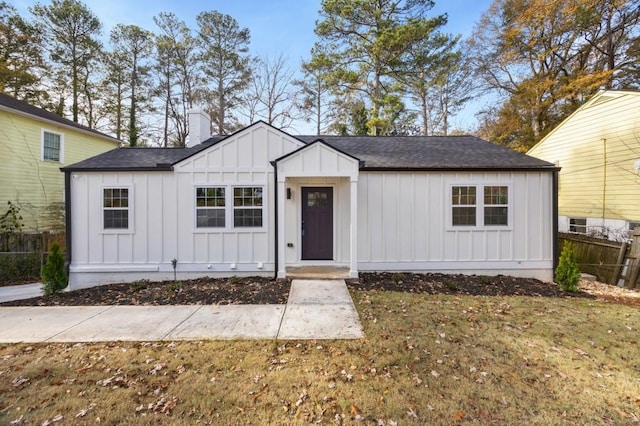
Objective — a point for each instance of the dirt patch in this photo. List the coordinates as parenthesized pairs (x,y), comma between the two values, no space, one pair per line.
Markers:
(610,293)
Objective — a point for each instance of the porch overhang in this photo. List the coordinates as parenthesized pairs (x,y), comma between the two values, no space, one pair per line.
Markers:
(316,160)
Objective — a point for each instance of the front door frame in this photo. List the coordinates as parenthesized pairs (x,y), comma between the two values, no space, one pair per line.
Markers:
(301,188)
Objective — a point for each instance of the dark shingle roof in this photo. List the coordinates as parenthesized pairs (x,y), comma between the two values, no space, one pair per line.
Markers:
(140,158)
(429,152)
(381,152)
(9,103)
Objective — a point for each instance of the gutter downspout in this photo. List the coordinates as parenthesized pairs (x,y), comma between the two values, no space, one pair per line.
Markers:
(275,216)
(604,183)
(67,219)
(554,227)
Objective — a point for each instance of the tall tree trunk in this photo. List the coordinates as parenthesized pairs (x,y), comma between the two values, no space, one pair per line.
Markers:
(318,106)
(133,131)
(74,84)
(221,108)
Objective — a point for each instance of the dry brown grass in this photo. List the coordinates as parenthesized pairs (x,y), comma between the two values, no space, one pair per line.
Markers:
(426,360)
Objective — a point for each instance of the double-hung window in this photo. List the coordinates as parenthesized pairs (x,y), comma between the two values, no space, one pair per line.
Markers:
(115,208)
(496,205)
(463,202)
(210,207)
(52,146)
(247,206)
(479,206)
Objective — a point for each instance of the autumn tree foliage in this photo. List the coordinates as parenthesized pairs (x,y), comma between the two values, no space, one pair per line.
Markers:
(542,59)
(21,61)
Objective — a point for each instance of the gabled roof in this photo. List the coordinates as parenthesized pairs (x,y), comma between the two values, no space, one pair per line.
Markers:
(7,103)
(314,140)
(374,153)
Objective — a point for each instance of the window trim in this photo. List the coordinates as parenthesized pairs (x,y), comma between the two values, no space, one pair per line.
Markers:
(578,226)
(230,208)
(261,208)
(480,205)
(497,205)
(475,206)
(130,208)
(225,208)
(61,135)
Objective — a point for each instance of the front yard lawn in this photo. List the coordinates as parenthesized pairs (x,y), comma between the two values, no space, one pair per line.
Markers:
(427,359)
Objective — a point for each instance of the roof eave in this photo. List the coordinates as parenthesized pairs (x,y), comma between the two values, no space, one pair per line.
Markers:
(460,169)
(57,123)
(162,168)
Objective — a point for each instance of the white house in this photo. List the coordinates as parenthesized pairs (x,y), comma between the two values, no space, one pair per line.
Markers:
(263,202)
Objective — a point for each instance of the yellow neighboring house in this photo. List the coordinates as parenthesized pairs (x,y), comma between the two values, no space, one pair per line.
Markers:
(598,149)
(34,144)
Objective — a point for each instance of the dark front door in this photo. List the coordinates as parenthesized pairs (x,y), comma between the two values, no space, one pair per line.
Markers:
(317,223)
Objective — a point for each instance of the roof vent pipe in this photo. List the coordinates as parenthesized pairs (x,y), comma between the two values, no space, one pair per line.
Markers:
(199,127)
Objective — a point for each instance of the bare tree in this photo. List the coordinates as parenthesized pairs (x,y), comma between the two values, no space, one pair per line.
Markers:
(271,95)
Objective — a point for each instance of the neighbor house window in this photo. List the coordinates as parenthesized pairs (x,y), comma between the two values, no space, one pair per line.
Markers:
(463,201)
(116,208)
(210,207)
(578,225)
(496,205)
(247,206)
(51,146)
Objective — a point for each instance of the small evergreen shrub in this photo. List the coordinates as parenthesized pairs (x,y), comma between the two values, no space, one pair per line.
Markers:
(54,277)
(567,272)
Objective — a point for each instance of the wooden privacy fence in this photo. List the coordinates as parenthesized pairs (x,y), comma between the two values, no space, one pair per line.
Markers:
(30,242)
(609,261)
(23,254)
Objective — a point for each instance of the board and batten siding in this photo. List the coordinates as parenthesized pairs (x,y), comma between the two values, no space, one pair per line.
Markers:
(598,149)
(27,180)
(403,224)
(164,224)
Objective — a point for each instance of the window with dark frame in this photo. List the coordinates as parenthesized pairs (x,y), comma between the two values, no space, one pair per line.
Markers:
(51,145)
(496,205)
(463,201)
(247,207)
(578,225)
(115,208)
(210,207)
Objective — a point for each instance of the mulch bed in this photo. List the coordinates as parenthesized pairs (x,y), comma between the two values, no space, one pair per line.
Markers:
(201,291)
(261,290)
(473,285)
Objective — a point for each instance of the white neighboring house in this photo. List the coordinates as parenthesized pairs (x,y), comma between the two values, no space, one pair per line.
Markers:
(261,202)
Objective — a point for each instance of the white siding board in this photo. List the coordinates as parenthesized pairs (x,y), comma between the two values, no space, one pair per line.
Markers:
(434,244)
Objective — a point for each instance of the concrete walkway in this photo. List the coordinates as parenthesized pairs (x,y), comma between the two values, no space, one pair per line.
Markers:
(316,309)
(19,292)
